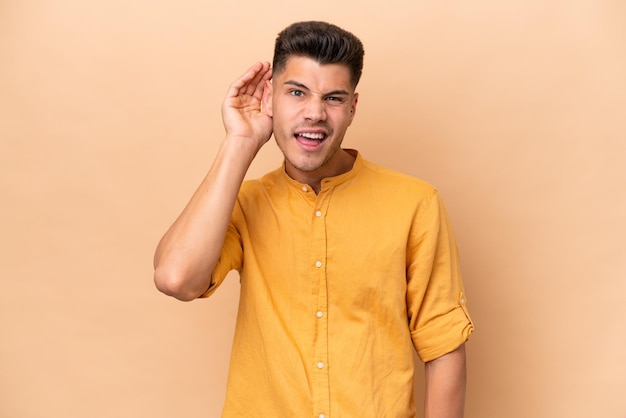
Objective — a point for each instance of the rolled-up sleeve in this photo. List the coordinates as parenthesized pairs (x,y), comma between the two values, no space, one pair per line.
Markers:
(438,318)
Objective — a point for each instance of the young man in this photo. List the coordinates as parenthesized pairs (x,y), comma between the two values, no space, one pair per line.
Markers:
(345,265)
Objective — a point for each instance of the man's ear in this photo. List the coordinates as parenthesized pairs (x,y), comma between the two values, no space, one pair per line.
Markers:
(355,100)
(268,91)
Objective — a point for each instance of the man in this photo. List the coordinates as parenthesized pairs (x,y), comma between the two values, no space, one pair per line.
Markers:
(344,265)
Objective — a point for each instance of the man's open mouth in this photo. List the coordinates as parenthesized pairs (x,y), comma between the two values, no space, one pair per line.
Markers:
(311,136)
(310,141)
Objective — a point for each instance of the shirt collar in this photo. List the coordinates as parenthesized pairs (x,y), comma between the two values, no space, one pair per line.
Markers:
(329,182)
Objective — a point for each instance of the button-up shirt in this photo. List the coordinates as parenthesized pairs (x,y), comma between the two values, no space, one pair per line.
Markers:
(336,290)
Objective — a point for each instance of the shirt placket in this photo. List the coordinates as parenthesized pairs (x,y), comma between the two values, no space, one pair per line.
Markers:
(319,363)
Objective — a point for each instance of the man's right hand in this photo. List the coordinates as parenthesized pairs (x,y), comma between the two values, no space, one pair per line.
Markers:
(242,111)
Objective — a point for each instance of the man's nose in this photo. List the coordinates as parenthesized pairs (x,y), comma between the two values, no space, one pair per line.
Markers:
(315,109)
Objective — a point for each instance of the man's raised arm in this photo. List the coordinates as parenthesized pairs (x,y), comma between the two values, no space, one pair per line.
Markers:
(189,250)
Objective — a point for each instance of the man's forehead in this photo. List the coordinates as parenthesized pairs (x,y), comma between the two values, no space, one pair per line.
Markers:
(308,73)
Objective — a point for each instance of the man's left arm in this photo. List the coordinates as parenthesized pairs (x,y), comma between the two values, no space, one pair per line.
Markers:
(446,378)
(438,319)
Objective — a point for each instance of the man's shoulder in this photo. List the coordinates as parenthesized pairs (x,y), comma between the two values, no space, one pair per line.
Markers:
(395,180)
(261,184)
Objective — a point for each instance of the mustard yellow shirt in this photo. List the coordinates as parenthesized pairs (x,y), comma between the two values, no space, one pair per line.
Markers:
(336,290)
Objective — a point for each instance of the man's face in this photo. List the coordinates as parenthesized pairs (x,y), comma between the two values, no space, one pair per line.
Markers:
(312,106)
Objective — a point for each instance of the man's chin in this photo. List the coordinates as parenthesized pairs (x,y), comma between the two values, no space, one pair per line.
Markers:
(305,166)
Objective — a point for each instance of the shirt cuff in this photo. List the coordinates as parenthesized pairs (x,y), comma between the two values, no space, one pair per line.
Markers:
(443,334)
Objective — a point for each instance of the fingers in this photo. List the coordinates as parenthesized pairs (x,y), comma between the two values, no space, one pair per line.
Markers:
(252,82)
(257,85)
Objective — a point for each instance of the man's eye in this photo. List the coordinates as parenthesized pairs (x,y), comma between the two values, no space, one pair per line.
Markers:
(335,99)
(297,93)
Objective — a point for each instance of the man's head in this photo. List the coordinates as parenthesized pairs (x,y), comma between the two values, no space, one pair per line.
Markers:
(312,99)
(322,42)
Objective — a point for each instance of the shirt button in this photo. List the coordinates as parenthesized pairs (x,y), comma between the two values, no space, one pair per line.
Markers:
(318,213)
(462,301)
(304,189)
(322,416)
(320,365)
(318,264)
(319,314)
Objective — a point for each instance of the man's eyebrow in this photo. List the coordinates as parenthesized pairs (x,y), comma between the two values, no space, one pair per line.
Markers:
(304,87)
(296,84)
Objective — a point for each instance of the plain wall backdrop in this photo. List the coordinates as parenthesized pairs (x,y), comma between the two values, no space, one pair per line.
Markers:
(110,117)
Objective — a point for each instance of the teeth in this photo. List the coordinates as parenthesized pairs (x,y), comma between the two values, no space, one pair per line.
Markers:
(310,135)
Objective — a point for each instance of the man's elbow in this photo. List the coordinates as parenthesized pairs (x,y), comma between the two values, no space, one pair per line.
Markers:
(175,285)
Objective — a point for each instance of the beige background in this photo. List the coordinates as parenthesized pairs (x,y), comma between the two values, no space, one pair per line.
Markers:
(109,118)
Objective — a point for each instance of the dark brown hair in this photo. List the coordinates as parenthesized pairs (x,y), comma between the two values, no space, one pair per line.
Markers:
(322,42)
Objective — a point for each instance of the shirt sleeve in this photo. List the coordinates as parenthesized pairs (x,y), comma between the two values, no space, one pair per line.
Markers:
(438,319)
(231,257)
